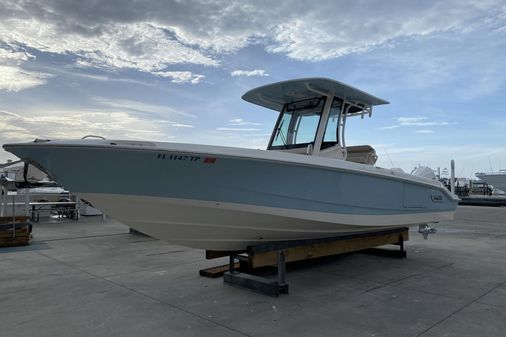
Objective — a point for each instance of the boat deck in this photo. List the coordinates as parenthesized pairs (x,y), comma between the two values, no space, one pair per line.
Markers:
(94,278)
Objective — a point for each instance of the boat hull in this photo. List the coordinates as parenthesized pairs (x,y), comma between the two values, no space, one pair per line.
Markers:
(497,180)
(229,226)
(221,198)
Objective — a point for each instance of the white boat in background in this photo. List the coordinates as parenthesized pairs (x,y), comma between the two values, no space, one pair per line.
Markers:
(22,185)
(307,184)
(496,179)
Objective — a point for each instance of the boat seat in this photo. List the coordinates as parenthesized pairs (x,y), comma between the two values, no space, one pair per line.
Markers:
(362,154)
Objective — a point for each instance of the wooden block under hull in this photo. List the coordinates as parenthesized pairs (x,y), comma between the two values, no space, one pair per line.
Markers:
(218,271)
(266,254)
(328,248)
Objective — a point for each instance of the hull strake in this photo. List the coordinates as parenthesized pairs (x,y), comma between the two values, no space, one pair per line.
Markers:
(229,226)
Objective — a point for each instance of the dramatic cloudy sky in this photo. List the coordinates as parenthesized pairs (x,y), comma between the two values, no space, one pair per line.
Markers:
(174,70)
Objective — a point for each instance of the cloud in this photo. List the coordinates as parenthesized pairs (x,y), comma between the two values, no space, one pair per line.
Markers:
(180,125)
(17,79)
(316,35)
(76,124)
(143,46)
(11,132)
(415,121)
(155,113)
(9,56)
(130,105)
(238,129)
(239,125)
(419,121)
(151,36)
(390,127)
(249,73)
(12,76)
(444,61)
(181,76)
(241,122)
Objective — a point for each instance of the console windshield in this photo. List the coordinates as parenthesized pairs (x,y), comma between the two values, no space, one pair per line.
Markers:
(297,124)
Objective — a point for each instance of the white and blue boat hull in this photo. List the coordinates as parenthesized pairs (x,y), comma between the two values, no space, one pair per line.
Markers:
(222,198)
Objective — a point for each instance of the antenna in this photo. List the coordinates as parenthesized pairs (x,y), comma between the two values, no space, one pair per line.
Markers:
(490,163)
(388,156)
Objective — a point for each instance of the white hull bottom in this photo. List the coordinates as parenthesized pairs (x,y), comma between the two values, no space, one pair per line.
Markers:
(227,226)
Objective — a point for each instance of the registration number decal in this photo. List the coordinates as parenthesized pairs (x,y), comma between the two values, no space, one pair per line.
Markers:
(178,157)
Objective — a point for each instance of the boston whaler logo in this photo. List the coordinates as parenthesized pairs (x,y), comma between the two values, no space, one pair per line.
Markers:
(195,159)
(437,198)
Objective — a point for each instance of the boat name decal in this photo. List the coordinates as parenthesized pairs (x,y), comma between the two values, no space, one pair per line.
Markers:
(205,160)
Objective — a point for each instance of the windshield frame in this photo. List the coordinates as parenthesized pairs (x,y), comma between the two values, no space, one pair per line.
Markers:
(327,144)
(321,101)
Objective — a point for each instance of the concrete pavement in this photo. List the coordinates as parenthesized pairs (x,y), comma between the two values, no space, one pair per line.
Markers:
(93,278)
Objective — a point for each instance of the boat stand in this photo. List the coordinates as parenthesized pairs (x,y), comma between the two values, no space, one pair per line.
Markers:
(278,253)
(257,283)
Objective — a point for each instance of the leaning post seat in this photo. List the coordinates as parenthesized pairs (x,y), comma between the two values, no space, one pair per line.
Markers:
(362,154)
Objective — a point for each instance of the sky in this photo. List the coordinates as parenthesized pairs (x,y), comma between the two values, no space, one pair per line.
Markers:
(176,70)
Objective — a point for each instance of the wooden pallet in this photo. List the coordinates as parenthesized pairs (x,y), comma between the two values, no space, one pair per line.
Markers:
(15,234)
(17,219)
(16,242)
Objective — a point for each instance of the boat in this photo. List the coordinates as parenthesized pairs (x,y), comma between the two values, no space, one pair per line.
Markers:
(496,179)
(17,175)
(24,185)
(306,184)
